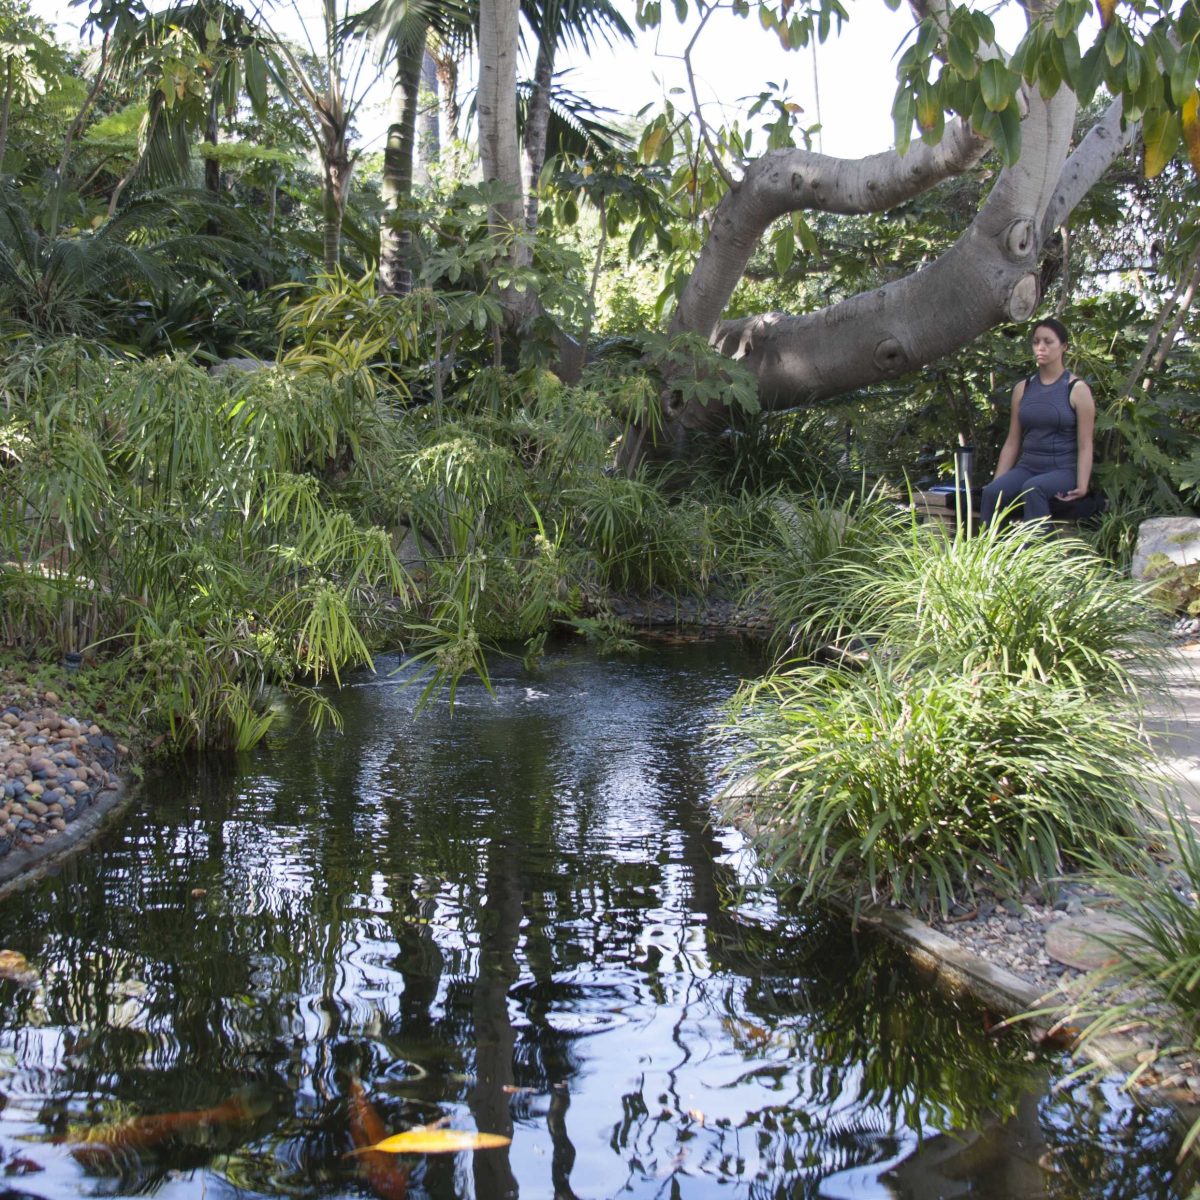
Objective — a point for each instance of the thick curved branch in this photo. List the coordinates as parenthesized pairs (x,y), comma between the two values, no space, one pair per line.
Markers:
(988,275)
(785,181)
(1098,149)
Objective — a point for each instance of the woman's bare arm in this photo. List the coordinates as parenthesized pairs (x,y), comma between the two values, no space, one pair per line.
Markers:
(1011,449)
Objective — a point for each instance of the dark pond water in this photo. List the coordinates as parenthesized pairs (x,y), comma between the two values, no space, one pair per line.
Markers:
(514,919)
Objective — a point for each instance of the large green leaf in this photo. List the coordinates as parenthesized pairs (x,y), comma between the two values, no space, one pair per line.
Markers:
(1160,138)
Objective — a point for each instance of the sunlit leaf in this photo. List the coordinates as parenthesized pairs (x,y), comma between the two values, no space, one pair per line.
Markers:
(652,141)
(1184,71)
(995,85)
(426,1140)
(1191,129)
(785,249)
(962,59)
(929,108)
(1160,136)
(1114,45)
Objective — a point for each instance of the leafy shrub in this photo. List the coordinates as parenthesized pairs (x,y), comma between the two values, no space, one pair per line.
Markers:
(803,566)
(1009,600)
(638,539)
(183,523)
(917,787)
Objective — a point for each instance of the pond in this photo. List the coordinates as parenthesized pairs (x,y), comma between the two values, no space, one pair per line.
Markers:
(515,918)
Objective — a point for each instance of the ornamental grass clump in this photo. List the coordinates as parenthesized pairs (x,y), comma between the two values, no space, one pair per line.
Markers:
(916,788)
(806,559)
(1014,601)
(1156,955)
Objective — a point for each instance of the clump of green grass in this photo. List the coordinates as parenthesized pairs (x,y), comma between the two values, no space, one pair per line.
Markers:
(1014,601)
(1157,959)
(915,788)
(803,557)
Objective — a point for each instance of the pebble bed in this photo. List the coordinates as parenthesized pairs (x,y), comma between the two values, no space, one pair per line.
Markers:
(53,768)
(1012,933)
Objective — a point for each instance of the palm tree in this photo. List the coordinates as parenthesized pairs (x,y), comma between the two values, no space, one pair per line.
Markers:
(403,29)
(557,24)
(327,100)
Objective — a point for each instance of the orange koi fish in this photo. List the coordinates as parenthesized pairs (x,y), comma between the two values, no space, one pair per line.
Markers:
(105,1145)
(382,1172)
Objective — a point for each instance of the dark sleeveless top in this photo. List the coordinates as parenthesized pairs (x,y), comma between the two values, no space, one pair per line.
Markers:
(1048,424)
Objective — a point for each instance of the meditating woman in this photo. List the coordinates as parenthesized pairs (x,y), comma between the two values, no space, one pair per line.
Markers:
(1048,451)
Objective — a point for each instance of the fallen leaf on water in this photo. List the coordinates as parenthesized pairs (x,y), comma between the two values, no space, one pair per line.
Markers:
(439,1141)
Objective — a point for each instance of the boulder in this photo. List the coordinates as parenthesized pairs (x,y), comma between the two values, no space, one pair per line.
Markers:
(1176,537)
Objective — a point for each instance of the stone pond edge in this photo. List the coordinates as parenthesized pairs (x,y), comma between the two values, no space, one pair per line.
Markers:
(23,866)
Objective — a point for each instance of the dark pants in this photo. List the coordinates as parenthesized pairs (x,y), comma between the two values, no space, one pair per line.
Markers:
(1034,490)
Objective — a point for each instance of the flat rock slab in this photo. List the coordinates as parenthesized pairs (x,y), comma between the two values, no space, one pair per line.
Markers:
(1176,537)
(1085,942)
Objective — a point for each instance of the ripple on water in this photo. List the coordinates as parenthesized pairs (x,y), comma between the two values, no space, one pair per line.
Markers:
(516,914)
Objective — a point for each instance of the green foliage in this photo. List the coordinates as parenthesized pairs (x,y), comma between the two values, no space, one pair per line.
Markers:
(1156,961)
(803,565)
(1011,601)
(639,540)
(979,724)
(917,787)
(183,523)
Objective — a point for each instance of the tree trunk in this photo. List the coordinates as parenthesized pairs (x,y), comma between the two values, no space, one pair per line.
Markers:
(537,121)
(395,244)
(496,106)
(429,142)
(212,132)
(6,111)
(336,170)
(447,77)
(989,275)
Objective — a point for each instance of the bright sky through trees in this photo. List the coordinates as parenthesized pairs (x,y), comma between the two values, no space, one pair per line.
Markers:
(734,58)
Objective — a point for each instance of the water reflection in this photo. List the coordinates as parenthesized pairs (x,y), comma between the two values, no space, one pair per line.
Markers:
(516,919)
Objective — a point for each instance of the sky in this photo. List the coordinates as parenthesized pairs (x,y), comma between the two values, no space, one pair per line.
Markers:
(854,74)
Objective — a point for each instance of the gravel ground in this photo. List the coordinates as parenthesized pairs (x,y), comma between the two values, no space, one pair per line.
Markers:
(53,766)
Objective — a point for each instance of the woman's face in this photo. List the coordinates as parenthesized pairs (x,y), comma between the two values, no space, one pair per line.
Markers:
(1047,348)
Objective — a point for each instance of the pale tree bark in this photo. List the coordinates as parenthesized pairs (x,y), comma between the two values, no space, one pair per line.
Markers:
(446,66)
(337,169)
(1158,344)
(429,140)
(6,109)
(537,124)
(497,107)
(395,271)
(989,275)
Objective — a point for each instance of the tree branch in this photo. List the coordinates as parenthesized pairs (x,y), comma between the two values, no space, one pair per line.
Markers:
(1098,149)
(988,275)
(785,181)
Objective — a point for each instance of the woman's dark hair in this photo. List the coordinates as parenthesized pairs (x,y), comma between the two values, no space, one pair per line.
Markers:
(1060,330)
